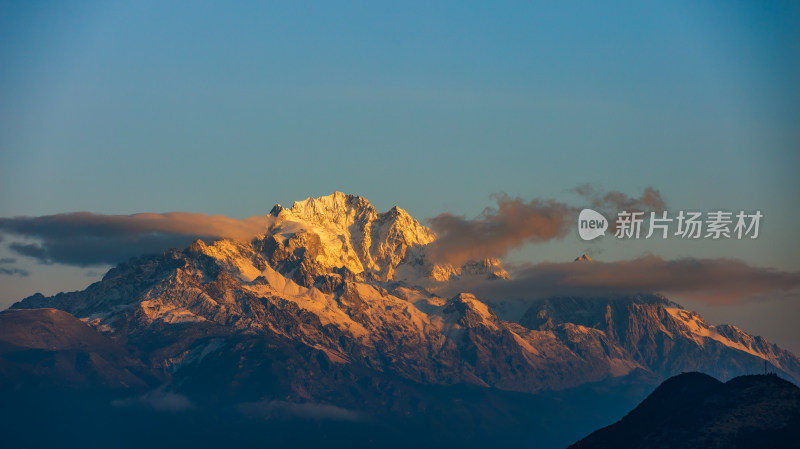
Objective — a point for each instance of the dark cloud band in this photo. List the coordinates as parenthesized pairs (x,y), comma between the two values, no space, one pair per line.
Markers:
(85,239)
(716,281)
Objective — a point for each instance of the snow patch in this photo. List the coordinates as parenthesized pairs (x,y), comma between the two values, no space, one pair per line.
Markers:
(311,299)
(700,329)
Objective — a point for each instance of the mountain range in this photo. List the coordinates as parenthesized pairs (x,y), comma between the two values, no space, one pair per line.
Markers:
(334,320)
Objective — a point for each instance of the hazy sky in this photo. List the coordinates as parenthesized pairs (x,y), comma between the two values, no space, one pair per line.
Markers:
(128,107)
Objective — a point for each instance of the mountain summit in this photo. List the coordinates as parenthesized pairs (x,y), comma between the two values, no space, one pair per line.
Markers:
(345,231)
(342,234)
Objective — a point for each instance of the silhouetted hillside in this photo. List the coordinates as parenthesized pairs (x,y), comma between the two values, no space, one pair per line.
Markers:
(694,410)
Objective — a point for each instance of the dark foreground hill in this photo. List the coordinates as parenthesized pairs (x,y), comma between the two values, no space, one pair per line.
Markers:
(693,410)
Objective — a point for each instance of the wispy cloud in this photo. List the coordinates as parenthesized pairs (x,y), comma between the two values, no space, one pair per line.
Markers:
(514,222)
(160,400)
(11,271)
(84,238)
(609,203)
(617,201)
(715,281)
(282,409)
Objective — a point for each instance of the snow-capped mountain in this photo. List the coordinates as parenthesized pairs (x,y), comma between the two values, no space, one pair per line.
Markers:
(333,274)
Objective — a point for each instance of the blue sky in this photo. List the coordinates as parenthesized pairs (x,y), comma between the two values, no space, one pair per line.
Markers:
(433,106)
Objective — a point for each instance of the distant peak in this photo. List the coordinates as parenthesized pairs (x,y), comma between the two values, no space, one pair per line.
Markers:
(583,258)
(396,211)
(464,297)
(276,210)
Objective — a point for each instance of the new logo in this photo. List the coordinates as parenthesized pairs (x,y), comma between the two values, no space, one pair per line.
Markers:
(591,224)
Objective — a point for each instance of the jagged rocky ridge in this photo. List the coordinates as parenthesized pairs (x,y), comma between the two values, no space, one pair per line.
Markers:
(351,287)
